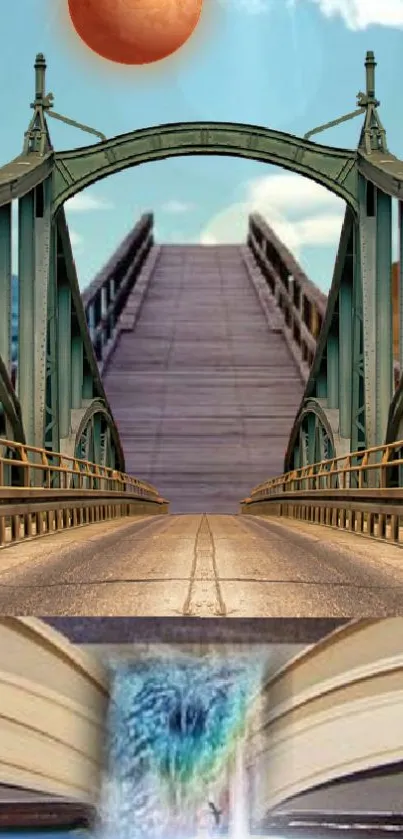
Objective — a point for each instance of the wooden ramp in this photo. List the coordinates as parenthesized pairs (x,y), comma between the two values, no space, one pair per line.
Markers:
(204,393)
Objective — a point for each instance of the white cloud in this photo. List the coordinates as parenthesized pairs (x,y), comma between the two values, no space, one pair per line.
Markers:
(177,207)
(207,238)
(301,212)
(320,230)
(290,192)
(359,14)
(84,202)
(75,238)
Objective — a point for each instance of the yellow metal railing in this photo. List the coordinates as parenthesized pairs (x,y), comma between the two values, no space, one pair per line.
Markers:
(361,492)
(43,492)
(35,468)
(367,469)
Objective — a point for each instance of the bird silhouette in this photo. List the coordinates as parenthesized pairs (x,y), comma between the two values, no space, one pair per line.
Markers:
(216,813)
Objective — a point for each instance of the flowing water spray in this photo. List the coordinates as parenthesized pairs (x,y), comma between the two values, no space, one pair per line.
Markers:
(239,818)
(174,724)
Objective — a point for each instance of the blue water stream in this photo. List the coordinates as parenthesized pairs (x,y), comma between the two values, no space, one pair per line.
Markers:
(173,725)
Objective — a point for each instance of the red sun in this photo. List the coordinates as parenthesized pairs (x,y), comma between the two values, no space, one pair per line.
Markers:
(134,31)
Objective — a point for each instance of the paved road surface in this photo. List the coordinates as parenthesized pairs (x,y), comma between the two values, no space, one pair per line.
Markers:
(204,566)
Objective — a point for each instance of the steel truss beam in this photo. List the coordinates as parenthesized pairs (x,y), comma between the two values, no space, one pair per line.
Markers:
(330,379)
(315,440)
(395,417)
(332,167)
(58,376)
(352,372)
(11,424)
(95,436)
(80,393)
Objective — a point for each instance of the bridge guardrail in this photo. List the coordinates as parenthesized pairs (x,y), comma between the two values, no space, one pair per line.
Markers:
(42,492)
(360,492)
(302,304)
(105,298)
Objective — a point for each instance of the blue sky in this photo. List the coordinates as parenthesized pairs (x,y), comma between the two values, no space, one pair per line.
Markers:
(288,64)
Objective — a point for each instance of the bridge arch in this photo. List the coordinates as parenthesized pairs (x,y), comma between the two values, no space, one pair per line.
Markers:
(312,438)
(395,419)
(96,437)
(333,168)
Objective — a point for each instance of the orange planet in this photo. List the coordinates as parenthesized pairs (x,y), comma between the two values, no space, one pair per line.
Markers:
(134,31)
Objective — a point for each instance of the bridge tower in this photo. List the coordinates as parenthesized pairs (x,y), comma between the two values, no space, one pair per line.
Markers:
(349,392)
(60,402)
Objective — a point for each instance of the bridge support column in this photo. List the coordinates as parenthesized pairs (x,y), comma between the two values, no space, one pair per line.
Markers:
(88,386)
(333,371)
(367,235)
(43,235)
(358,438)
(52,438)
(77,356)
(34,248)
(345,355)
(384,317)
(26,329)
(5,284)
(64,357)
(321,385)
(375,222)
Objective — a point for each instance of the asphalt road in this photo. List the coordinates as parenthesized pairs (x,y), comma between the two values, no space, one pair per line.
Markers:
(205,566)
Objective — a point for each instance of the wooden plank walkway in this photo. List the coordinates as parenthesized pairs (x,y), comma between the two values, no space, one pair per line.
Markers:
(203,392)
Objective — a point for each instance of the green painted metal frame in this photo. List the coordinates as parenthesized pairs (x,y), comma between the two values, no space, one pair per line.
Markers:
(11,421)
(328,357)
(95,437)
(358,413)
(5,284)
(77,169)
(351,375)
(354,352)
(395,415)
(313,439)
(79,386)
(58,381)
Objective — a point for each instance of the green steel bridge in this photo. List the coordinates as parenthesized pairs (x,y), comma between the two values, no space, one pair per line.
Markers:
(70,437)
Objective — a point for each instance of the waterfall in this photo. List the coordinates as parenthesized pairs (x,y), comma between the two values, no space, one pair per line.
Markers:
(174,722)
(239,818)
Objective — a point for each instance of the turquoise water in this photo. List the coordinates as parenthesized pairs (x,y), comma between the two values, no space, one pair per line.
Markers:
(174,724)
